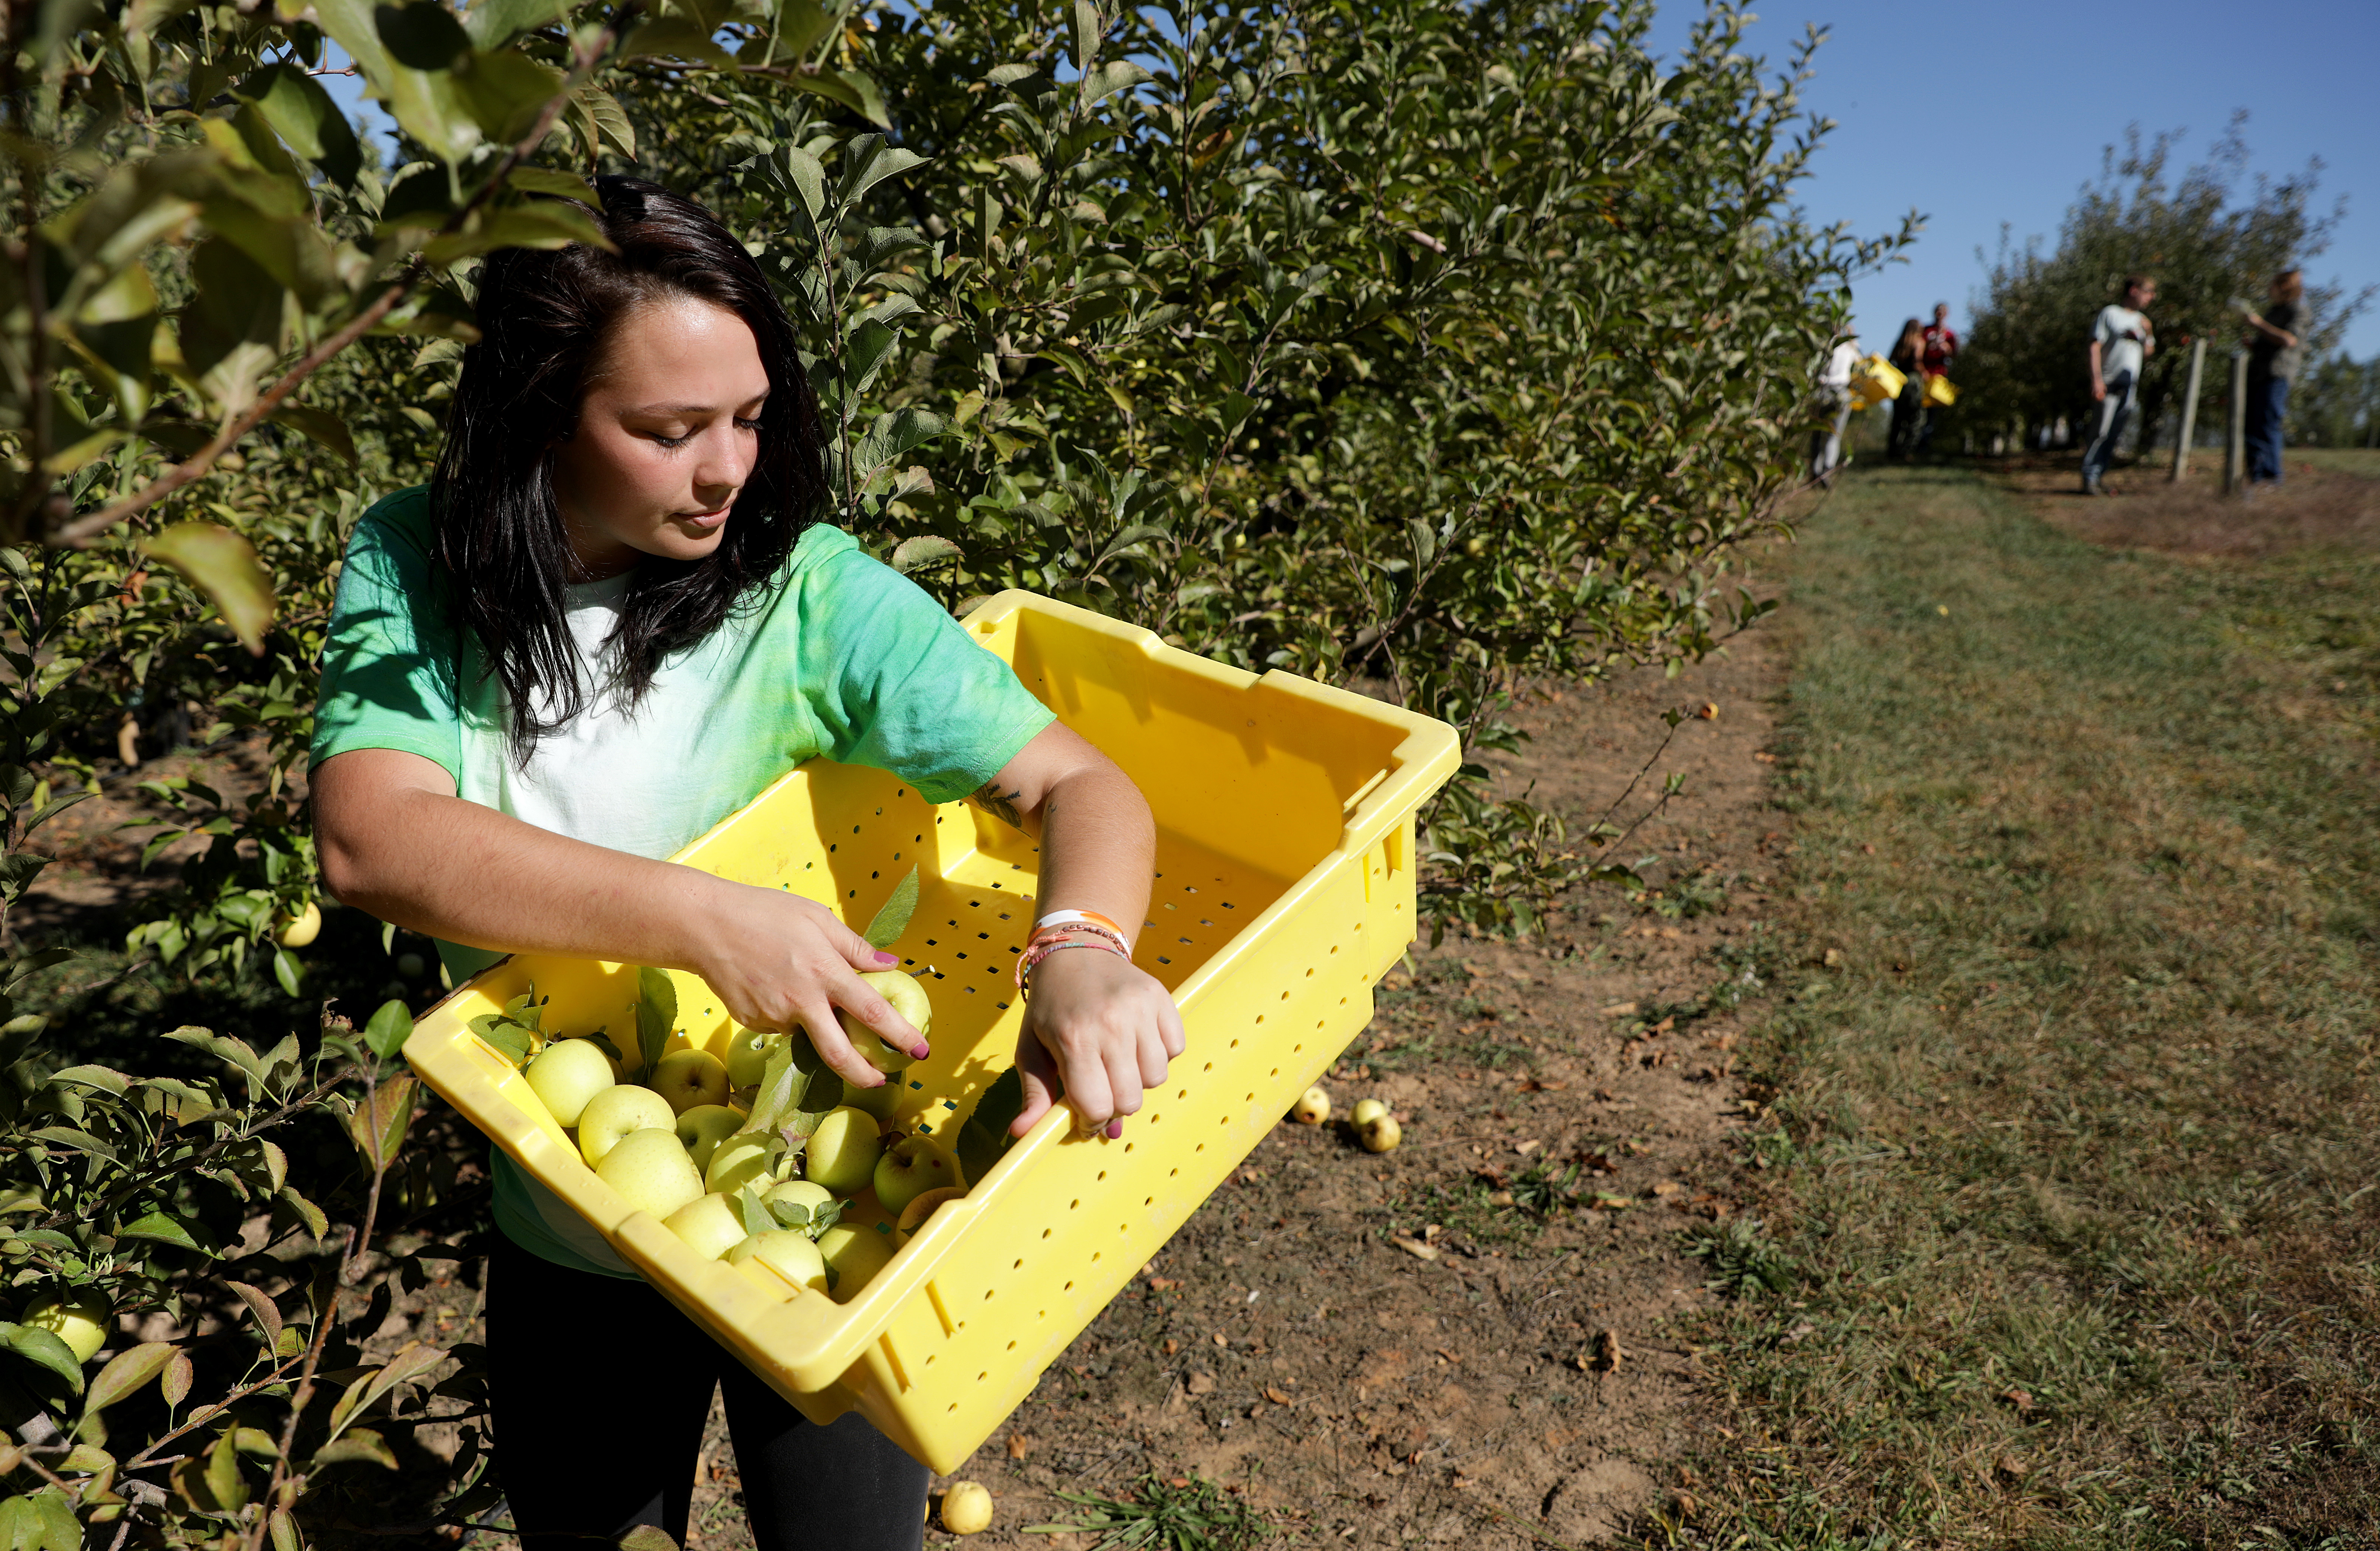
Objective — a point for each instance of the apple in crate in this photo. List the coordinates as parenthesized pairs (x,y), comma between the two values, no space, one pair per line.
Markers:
(853,1252)
(611,1115)
(710,1225)
(909,1000)
(842,1151)
(566,1074)
(651,1171)
(910,1168)
(702,1128)
(787,1251)
(689,1078)
(746,1159)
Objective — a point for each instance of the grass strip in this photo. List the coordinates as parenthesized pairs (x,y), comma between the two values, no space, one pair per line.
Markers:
(2074,1155)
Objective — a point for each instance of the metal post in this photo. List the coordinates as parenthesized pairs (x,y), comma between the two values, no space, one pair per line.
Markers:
(2189,409)
(2235,445)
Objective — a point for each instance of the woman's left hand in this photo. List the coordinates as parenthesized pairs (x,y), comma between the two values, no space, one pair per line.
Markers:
(1098,1034)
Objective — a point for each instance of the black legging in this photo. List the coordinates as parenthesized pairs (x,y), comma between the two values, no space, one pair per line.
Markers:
(599,1392)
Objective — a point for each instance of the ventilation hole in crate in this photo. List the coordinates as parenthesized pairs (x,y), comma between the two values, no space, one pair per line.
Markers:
(1045,1234)
(1127,1147)
(1169,906)
(1310,974)
(1200,1147)
(1163,960)
(1229,905)
(1208,1067)
(1317,1023)
(1003,1006)
(854,893)
(1226,1119)
(982,1377)
(1284,995)
(1189,888)
(1070,1286)
(1295,1048)
(1173,1173)
(987,1294)
(1204,921)
(1259,1017)
(831,845)
(1018,1266)
(1104,1173)
(1011,1346)
(1095,1254)
(1074,1203)
(855,828)
(1274,1072)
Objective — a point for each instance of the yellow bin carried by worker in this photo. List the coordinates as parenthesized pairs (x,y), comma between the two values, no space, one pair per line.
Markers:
(1877,380)
(1286,862)
(1939,393)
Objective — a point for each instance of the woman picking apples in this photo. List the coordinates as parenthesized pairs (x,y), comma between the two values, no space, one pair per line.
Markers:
(611,619)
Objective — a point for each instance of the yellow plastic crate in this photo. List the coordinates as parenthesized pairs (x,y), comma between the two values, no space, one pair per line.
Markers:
(1284,889)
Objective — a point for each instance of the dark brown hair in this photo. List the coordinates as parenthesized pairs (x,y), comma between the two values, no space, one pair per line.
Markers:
(544,316)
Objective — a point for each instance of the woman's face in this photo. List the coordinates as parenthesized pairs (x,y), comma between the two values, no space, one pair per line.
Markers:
(667,435)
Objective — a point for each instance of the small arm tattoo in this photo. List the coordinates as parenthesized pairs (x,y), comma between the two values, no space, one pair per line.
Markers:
(1000,804)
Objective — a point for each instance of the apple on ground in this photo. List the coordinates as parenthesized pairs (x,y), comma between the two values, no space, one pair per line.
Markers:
(702,1128)
(909,1000)
(913,1215)
(751,1158)
(617,1110)
(80,1319)
(1365,1110)
(567,1074)
(651,1172)
(967,1507)
(1380,1134)
(842,1151)
(710,1224)
(787,1251)
(1313,1107)
(910,1168)
(855,1253)
(689,1078)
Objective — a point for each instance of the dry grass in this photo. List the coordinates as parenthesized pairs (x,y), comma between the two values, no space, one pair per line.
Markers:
(2327,499)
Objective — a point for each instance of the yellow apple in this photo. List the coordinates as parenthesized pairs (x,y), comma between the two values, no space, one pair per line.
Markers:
(910,1168)
(967,1507)
(879,1101)
(702,1128)
(80,1319)
(616,1111)
(567,1074)
(651,1172)
(748,1056)
(751,1158)
(1380,1134)
(710,1224)
(1364,1112)
(1313,1107)
(853,1252)
(909,1000)
(842,1151)
(300,929)
(689,1079)
(787,1251)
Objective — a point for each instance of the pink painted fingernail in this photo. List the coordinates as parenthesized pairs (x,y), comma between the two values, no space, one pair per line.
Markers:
(884,958)
(922,1051)
(1115,1129)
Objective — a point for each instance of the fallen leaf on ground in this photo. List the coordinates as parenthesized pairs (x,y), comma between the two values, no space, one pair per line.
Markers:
(1620,1010)
(1609,1354)
(1017,1444)
(1277,1397)
(1415,1247)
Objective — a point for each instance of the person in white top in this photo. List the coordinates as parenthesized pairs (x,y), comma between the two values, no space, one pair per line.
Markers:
(1835,397)
(2121,341)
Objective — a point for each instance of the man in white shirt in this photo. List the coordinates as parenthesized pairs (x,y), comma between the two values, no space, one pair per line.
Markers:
(2120,342)
(1835,397)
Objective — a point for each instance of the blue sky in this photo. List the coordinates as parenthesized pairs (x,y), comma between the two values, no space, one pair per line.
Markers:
(1979,115)
(1976,115)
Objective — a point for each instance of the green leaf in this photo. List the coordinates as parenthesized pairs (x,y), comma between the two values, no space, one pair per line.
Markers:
(378,1125)
(70,1136)
(305,117)
(506,92)
(423,35)
(494,23)
(1108,80)
(656,1016)
(223,566)
(162,1227)
(361,1446)
(316,1221)
(105,1079)
(985,1136)
(808,180)
(45,1349)
(926,550)
(322,427)
(550,180)
(543,223)
(127,1372)
(892,916)
(42,1522)
(390,1028)
(673,37)
(756,1215)
(851,89)
(284,970)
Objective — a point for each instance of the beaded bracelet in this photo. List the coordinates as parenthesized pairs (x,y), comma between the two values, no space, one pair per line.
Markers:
(1042,947)
(1081,917)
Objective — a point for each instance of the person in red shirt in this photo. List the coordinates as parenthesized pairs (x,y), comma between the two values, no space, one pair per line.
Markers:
(1941,346)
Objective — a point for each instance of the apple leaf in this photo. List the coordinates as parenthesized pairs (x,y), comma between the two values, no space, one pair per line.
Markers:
(602,1042)
(756,1215)
(983,1136)
(127,1372)
(389,1029)
(892,916)
(43,1348)
(656,1015)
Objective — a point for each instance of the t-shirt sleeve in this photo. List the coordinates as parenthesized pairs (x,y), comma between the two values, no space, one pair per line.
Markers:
(2103,328)
(389,663)
(896,683)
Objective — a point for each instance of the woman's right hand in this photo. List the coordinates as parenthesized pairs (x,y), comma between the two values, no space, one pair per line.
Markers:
(782,961)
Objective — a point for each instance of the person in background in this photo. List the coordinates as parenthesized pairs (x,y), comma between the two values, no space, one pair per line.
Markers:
(1909,355)
(1941,345)
(1834,401)
(2276,351)
(2121,341)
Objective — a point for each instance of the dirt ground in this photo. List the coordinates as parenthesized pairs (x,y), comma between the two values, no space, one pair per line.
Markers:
(1393,1350)
(2316,503)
